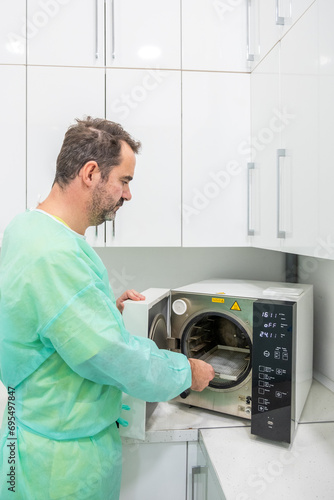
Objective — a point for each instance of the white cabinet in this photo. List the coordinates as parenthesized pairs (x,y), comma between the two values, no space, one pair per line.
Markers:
(118,33)
(154,471)
(148,105)
(13,32)
(284,90)
(143,34)
(214,35)
(13,137)
(299,97)
(292,10)
(264,30)
(215,152)
(325,243)
(65,33)
(267,124)
(269,20)
(56,97)
(202,481)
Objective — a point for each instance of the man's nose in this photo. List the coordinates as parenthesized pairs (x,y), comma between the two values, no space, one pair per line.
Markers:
(127,193)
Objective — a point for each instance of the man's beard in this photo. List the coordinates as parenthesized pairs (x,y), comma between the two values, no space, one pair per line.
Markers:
(103,207)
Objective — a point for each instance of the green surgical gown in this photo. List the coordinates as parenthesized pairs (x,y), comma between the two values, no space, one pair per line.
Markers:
(67,355)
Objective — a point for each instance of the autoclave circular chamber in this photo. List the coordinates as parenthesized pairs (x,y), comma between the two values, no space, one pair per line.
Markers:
(223,342)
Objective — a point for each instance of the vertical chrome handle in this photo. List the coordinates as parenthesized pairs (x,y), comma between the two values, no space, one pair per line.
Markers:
(250,166)
(113,228)
(113,54)
(250,57)
(195,471)
(280,20)
(281,153)
(96,29)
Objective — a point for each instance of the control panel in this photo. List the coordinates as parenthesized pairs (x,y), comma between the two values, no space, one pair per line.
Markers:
(272,369)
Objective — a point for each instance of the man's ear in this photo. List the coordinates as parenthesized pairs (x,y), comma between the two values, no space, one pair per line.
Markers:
(90,173)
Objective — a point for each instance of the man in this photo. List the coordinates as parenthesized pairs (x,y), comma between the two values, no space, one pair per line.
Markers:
(65,355)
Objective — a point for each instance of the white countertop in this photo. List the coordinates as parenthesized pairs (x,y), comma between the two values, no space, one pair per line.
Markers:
(251,468)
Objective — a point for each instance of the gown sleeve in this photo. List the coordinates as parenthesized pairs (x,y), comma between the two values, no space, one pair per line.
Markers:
(89,334)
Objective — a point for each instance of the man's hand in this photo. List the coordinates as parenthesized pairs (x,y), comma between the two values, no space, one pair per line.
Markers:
(129,294)
(202,374)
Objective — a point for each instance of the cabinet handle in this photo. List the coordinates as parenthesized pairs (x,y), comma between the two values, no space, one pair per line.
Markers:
(96,29)
(250,166)
(281,153)
(195,471)
(113,29)
(113,228)
(279,19)
(250,57)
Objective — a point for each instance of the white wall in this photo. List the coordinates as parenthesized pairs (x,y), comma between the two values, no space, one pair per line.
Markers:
(142,268)
(320,273)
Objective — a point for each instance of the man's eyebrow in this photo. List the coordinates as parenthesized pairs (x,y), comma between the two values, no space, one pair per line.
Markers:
(127,178)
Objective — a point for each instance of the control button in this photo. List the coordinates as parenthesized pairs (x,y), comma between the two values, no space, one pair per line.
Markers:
(277,355)
(179,307)
(278,394)
(261,408)
(285,356)
(266,354)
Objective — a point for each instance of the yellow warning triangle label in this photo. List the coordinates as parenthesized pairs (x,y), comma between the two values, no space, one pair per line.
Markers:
(235,307)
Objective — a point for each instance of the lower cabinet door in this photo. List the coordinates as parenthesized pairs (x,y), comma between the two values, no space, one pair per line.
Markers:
(202,482)
(154,471)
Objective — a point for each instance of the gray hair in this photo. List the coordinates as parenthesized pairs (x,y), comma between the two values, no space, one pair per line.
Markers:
(92,139)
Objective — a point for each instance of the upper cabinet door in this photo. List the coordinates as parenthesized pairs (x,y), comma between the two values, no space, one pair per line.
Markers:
(143,34)
(13,32)
(65,33)
(13,136)
(148,105)
(292,10)
(267,123)
(268,21)
(215,152)
(325,244)
(214,35)
(299,102)
(267,28)
(56,97)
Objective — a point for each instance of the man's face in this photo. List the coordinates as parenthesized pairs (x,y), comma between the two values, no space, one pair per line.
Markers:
(109,194)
